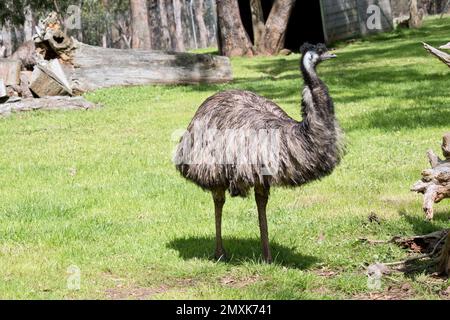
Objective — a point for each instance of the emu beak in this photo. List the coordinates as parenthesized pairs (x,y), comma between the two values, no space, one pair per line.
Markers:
(327,56)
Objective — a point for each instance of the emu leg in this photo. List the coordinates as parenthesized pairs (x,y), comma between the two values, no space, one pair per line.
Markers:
(219,201)
(261,197)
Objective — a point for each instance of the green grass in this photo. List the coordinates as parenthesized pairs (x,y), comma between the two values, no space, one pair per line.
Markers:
(98,190)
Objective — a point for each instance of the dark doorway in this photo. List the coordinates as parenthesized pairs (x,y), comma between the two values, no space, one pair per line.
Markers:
(305,23)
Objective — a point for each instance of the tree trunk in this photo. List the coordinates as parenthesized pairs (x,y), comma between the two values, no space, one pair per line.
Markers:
(198,15)
(257,21)
(275,31)
(415,17)
(17,36)
(7,39)
(171,24)
(190,38)
(139,24)
(154,24)
(210,15)
(79,33)
(173,9)
(28,23)
(178,26)
(107,35)
(164,26)
(234,40)
(104,40)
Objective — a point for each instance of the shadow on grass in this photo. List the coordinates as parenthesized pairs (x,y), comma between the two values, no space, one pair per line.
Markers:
(239,251)
(421,226)
(406,118)
(378,69)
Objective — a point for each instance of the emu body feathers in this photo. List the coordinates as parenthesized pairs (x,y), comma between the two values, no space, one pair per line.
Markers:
(238,140)
(306,150)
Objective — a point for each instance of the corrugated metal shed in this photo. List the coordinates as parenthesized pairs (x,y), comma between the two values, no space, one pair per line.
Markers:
(343,19)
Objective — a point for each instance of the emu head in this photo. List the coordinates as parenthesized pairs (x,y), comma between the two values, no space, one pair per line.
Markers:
(312,55)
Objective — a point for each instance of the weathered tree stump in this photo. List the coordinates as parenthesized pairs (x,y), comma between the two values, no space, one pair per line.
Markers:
(49,79)
(24,88)
(435,182)
(10,71)
(441,168)
(430,243)
(444,260)
(50,41)
(434,246)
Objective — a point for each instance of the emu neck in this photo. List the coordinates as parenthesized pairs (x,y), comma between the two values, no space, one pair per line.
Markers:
(309,73)
(318,133)
(317,105)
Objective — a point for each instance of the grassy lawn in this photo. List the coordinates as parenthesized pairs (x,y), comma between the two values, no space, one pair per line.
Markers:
(97,189)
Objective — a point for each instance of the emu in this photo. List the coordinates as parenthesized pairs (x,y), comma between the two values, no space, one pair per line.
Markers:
(305,150)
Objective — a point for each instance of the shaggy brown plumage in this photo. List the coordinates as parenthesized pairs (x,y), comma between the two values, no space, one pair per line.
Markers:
(238,140)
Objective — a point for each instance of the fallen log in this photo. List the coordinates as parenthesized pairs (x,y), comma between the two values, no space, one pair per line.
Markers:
(90,67)
(47,103)
(96,67)
(435,182)
(444,57)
